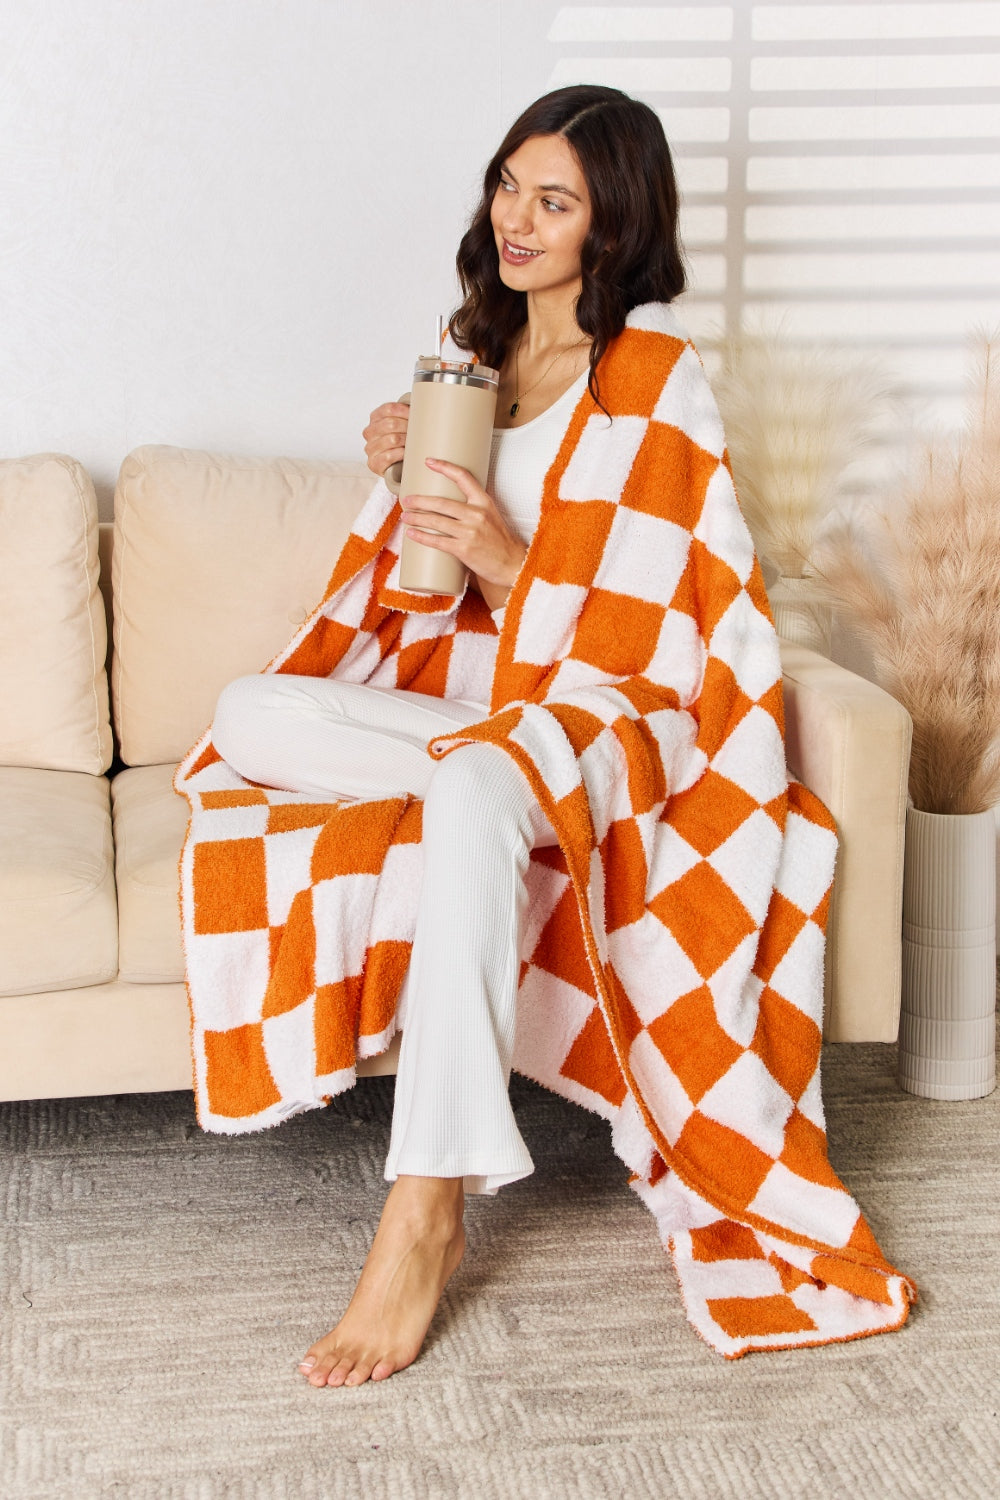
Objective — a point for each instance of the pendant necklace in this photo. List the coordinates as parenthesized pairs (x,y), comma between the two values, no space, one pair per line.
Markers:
(516,406)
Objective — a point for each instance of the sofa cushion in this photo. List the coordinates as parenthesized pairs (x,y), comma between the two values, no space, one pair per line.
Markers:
(52,629)
(58,921)
(150,821)
(216,563)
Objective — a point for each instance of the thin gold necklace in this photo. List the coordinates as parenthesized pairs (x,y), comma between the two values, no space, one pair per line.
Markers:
(518,394)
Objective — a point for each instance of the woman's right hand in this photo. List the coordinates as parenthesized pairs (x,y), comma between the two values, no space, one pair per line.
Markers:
(385,435)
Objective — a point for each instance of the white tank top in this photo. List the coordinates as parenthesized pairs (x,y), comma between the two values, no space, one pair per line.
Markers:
(521,457)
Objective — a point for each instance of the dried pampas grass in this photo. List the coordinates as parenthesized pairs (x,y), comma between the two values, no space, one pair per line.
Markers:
(795,418)
(922,587)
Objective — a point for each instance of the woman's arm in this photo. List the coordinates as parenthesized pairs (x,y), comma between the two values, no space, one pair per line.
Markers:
(472,530)
(385,435)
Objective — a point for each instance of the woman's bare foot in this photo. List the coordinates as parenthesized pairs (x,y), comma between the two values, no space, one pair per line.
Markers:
(418,1244)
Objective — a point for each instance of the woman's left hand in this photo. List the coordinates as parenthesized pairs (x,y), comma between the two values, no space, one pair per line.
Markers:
(472,530)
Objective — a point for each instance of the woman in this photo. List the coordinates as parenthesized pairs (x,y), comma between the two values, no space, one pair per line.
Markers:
(605,661)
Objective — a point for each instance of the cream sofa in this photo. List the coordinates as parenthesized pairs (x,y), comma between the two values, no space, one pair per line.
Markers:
(211,563)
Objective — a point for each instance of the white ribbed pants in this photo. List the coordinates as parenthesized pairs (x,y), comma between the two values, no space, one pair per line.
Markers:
(452,1114)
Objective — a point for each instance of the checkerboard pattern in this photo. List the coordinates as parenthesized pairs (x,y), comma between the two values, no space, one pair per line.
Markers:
(673,960)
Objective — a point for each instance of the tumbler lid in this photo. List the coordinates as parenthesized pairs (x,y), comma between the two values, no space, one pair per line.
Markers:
(455,372)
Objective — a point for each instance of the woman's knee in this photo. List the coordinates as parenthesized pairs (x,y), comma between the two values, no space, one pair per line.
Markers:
(479,787)
(238,714)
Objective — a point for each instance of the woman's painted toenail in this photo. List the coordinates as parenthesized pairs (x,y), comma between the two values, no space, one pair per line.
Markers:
(307,1364)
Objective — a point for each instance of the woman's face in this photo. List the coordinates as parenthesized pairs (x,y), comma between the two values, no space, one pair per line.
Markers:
(540,216)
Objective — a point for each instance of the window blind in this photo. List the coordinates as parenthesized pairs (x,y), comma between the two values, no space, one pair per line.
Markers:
(839,167)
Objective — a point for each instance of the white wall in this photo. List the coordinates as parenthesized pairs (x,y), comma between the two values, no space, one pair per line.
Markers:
(230,223)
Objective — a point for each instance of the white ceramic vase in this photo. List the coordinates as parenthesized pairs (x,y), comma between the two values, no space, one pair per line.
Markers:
(798,615)
(947,1030)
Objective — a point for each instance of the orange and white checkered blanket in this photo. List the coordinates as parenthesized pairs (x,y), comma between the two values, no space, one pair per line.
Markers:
(673,960)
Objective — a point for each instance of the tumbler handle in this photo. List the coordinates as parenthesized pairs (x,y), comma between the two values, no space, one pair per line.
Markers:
(393,475)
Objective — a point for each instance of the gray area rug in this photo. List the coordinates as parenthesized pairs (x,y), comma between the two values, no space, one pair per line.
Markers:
(160,1286)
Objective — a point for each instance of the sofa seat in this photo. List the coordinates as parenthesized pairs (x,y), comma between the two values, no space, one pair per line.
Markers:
(150,821)
(58,915)
(211,563)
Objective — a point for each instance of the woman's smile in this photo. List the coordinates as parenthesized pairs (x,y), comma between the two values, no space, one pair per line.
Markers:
(518,255)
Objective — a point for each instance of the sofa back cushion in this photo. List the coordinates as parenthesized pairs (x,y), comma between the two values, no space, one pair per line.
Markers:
(53,686)
(217,561)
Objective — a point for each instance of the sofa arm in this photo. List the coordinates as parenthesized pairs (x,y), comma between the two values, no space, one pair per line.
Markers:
(849,742)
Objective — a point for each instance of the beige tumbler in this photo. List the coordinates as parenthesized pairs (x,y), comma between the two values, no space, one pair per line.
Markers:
(452,407)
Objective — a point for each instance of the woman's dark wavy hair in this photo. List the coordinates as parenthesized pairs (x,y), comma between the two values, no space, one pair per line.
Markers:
(631,253)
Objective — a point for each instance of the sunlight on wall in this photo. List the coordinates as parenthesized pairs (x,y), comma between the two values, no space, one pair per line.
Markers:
(207,212)
(839,164)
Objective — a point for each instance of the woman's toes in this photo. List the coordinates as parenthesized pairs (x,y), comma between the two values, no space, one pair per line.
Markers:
(360,1373)
(383,1370)
(315,1366)
(338,1375)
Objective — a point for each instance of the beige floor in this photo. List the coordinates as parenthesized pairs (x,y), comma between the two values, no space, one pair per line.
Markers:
(160,1284)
